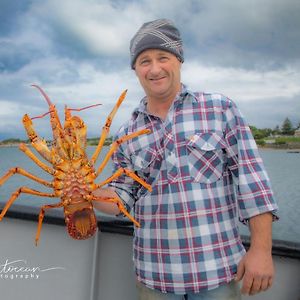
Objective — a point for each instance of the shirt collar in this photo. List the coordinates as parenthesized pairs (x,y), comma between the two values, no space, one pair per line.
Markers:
(142,108)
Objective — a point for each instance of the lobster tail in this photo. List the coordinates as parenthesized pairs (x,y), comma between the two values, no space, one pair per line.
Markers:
(82,224)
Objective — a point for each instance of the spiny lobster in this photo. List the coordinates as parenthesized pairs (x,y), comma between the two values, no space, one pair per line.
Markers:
(73,172)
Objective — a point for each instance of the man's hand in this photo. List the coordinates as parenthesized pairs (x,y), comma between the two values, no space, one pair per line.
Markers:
(257,271)
(106,207)
(256,267)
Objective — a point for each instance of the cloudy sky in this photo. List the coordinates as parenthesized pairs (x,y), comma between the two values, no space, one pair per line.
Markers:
(77,50)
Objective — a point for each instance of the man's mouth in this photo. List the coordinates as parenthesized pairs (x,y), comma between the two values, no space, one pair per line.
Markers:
(157,79)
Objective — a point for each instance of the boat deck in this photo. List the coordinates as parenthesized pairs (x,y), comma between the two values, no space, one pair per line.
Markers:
(98,268)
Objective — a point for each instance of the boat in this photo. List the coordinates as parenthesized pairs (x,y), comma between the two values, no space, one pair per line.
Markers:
(98,268)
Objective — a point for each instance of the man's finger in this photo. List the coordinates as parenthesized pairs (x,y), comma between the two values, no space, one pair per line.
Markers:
(247,284)
(270,282)
(265,284)
(240,270)
(256,285)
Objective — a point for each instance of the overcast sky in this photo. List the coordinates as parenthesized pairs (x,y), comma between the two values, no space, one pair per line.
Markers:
(77,51)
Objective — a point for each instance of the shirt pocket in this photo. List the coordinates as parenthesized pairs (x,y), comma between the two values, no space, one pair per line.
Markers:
(206,157)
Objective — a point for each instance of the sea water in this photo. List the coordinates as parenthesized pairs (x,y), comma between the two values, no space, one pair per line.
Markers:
(283,169)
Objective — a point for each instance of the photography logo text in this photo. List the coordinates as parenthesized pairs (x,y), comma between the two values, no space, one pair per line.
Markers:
(20,269)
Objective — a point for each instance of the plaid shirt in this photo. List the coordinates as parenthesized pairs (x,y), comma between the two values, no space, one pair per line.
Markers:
(205,170)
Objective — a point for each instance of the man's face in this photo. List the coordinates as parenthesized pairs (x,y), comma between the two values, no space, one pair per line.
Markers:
(159,74)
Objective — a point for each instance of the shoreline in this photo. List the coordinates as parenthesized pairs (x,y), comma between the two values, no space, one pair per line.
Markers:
(288,148)
(13,145)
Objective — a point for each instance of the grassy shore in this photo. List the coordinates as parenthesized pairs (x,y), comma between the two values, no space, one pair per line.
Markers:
(16,142)
(281,142)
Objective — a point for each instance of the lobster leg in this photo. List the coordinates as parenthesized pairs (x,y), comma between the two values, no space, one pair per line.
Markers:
(116,144)
(128,173)
(38,144)
(26,150)
(106,128)
(41,218)
(20,171)
(120,206)
(17,193)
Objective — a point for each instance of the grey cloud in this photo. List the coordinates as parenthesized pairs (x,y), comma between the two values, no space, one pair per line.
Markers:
(71,51)
(86,31)
(9,13)
(13,57)
(249,34)
(268,114)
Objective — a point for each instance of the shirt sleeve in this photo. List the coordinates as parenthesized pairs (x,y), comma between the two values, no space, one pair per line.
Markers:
(124,186)
(254,193)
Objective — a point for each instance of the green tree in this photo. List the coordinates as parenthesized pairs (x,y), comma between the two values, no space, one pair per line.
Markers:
(259,134)
(287,127)
(276,130)
(11,141)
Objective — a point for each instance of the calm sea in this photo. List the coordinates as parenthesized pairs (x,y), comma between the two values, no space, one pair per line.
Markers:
(283,169)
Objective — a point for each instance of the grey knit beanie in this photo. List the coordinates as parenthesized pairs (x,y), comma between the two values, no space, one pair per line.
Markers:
(157,34)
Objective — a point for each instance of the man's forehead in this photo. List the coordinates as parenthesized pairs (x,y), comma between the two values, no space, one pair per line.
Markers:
(154,52)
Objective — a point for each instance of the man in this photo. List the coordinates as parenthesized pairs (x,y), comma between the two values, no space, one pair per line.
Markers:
(205,170)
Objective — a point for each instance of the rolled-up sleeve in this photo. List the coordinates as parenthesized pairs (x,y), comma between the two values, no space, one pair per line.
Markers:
(254,192)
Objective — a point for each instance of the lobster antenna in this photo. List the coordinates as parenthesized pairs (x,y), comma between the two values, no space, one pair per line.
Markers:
(41,116)
(43,93)
(86,107)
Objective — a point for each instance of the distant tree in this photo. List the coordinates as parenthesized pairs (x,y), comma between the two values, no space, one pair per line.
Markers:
(266,132)
(254,131)
(287,127)
(259,134)
(11,141)
(276,130)
(108,141)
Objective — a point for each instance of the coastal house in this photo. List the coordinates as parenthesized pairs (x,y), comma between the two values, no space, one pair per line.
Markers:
(297,132)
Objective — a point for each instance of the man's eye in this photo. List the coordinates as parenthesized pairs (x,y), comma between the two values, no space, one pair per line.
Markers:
(163,58)
(144,61)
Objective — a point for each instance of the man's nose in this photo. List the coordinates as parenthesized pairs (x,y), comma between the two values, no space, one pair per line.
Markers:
(155,67)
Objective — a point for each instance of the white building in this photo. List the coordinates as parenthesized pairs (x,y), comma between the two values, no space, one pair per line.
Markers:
(297,132)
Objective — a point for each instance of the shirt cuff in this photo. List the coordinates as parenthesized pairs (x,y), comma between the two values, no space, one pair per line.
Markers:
(125,196)
(273,209)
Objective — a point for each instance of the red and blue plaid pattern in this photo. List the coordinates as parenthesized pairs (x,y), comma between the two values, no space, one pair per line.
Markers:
(205,171)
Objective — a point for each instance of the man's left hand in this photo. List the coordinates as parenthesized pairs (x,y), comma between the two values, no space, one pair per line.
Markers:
(257,271)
